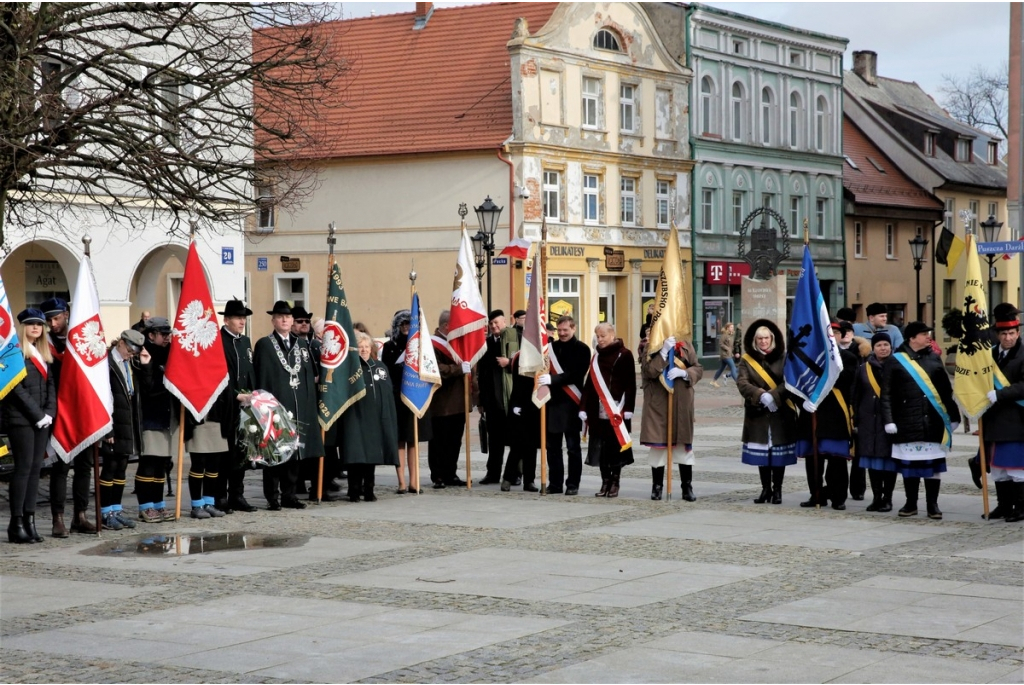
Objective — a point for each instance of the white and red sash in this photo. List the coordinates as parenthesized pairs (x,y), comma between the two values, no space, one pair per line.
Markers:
(571,390)
(612,408)
(37,359)
(57,356)
(442,345)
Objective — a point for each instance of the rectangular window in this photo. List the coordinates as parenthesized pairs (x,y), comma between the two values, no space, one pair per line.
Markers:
(627,199)
(794,216)
(591,199)
(993,153)
(858,239)
(663,196)
(737,210)
(50,95)
(950,213)
(963,149)
(949,297)
(975,207)
(166,102)
(993,209)
(768,200)
(707,205)
(564,296)
(820,214)
(552,191)
(627,108)
(292,288)
(591,102)
(266,218)
(890,241)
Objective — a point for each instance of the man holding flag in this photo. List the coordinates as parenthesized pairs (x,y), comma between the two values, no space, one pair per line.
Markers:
(420,380)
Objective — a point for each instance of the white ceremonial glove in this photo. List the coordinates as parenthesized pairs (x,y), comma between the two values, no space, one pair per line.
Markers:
(992,396)
(544,379)
(668,345)
(583,416)
(627,415)
(517,411)
(45,421)
(768,401)
(954,426)
(890,428)
(676,372)
(466,368)
(808,407)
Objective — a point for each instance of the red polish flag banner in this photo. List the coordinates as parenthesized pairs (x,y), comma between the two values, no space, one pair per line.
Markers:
(517,248)
(197,371)
(84,402)
(467,327)
(533,351)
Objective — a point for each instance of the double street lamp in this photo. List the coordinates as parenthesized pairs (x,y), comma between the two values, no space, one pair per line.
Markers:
(483,242)
(917,246)
(990,231)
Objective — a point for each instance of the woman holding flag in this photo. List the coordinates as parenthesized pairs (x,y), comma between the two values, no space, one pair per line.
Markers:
(393,356)
(28,411)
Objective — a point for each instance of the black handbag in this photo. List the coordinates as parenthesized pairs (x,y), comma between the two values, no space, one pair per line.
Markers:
(481,428)
(594,445)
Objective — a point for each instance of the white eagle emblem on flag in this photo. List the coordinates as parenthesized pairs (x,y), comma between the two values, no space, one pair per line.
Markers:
(89,341)
(197,332)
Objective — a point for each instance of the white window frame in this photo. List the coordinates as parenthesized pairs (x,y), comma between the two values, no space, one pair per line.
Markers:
(993,210)
(794,215)
(964,149)
(628,193)
(737,111)
(627,107)
(591,199)
(663,201)
(766,115)
(821,123)
(858,239)
(768,200)
(266,208)
(552,192)
(289,296)
(975,208)
(564,286)
(738,209)
(929,143)
(167,98)
(890,241)
(591,103)
(820,217)
(707,105)
(993,153)
(707,210)
(794,118)
(950,213)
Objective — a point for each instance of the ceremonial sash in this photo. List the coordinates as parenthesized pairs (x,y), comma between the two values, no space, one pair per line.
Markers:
(872,381)
(441,345)
(57,356)
(756,366)
(571,390)
(928,388)
(845,408)
(999,381)
(37,359)
(612,408)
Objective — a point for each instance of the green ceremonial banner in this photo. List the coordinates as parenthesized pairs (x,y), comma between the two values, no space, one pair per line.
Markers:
(341,381)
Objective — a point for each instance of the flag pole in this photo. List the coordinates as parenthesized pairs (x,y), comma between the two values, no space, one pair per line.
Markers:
(670,418)
(86,241)
(466,378)
(181,417)
(414,465)
(331,241)
(984,468)
(543,261)
(814,422)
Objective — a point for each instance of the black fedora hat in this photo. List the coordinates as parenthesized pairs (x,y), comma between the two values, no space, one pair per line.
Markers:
(235,308)
(281,307)
(301,313)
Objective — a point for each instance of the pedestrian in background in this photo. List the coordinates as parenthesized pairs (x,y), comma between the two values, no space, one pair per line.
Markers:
(726,353)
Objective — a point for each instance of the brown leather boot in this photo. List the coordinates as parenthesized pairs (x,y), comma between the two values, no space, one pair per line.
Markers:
(81,524)
(603,492)
(613,491)
(59,531)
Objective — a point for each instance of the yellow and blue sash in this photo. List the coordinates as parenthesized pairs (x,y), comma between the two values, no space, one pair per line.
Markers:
(760,370)
(928,388)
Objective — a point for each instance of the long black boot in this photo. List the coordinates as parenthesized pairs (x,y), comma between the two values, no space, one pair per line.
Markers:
(29,524)
(1004,502)
(613,488)
(911,487)
(658,481)
(931,497)
(606,482)
(974,463)
(888,485)
(686,482)
(16,531)
(778,475)
(1016,494)
(876,490)
(766,484)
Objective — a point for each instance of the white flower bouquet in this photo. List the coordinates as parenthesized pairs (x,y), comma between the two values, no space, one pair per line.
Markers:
(267,433)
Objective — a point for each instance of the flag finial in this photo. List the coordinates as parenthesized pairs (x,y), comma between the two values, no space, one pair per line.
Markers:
(86,240)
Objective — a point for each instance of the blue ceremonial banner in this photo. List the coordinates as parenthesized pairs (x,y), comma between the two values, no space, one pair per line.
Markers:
(812,355)
(421,375)
(12,359)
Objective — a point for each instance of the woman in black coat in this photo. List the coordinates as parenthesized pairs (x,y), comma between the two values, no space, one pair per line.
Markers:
(873,445)
(28,412)
(393,356)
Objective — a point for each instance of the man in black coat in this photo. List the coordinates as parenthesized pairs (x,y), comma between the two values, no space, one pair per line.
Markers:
(523,432)
(230,487)
(572,356)
(494,372)
(284,367)
(1004,420)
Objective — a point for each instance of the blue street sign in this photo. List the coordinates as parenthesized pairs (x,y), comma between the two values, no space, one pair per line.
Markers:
(1002,247)
(261,263)
(529,278)
(227,255)
(500,261)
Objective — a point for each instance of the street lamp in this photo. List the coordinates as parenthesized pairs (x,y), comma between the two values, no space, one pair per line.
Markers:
(479,256)
(488,213)
(917,246)
(990,231)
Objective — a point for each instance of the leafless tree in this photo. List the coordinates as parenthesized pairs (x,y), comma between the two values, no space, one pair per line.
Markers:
(160,107)
(980,98)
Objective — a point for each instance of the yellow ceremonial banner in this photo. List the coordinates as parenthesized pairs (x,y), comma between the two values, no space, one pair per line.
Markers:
(955,250)
(671,311)
(974,363)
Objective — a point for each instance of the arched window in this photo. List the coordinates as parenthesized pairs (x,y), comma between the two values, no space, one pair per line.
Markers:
(766,116)
(707,99)
(794,119)
(821,123)
(606,40)
(737,111)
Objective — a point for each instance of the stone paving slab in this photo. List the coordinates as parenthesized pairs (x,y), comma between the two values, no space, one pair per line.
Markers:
(1011,552)
(553,576)
(228,563)
(918,607)
(21,596)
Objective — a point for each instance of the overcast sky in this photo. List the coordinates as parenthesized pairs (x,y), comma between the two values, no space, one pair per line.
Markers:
(915,41)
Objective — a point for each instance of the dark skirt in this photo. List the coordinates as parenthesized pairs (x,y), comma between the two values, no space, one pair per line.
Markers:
(776,455)
(924,468)
(877,463)
(827,447)
(606,451)
(405,427)
(1007,455)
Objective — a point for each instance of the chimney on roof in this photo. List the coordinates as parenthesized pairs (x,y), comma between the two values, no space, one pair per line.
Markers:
(423,12)
(865,65)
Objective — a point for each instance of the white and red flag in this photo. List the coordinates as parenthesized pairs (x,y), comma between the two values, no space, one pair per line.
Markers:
(197,370)
(467,327)
(84,402)
(533,351)
(517,248)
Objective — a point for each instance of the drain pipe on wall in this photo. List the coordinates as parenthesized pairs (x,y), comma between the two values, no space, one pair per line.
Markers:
(511,218)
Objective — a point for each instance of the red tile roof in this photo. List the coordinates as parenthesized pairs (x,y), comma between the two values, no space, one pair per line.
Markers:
(445,87)
(872,186)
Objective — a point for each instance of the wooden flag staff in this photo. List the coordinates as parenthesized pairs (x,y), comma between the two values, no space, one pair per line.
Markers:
(181,416)
(86,241)
(466,379)
(331,242)
(543,260)
(414,461)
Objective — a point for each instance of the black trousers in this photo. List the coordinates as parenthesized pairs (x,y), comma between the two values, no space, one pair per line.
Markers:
(444,447)
(231,474)
(524,455)
(361,479)
(282,477)
(82,465)
(112,478)
(858,478)
(28,445)
(837,479)
(575,456)
(496,438)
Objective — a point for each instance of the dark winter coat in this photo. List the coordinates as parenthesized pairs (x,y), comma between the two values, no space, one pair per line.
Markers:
(127,414)
(392,351)
(654,426)
(905,404)
(1004,421)
(272,377)
(832,423)
(369,431)
(159,407)
(450,398)
(524,429)
(618,368)
(574,358)
(31,399)
(757,420)
(872,440)
(241,378)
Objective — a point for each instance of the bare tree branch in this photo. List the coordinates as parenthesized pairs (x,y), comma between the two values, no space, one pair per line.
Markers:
(979,99)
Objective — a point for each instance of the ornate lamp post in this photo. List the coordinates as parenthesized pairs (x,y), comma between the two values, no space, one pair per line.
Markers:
(990,231)
(487,213)
(917,246)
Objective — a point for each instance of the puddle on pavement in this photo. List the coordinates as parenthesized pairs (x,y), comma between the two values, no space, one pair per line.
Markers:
(183,544)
